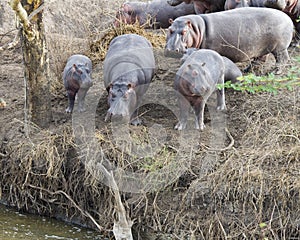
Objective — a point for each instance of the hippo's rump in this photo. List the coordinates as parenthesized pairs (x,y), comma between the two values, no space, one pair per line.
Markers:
(244,33)
(127,53)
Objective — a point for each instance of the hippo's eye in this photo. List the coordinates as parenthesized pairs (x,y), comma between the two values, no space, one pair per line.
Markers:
(171,30)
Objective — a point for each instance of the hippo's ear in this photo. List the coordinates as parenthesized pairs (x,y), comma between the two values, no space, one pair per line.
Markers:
(195,73)
(130,85)
(189,23)
(109,87)
(171,20)
(76,69)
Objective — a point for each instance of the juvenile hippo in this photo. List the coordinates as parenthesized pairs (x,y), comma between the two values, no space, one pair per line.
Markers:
(128,70)
(195,81)
(77,80)
(234,33)
(159,12)
(232,72)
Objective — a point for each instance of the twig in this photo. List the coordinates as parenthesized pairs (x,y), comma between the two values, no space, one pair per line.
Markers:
(222,149)
(84,213)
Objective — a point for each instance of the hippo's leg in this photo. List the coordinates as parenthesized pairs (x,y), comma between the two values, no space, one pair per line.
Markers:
(281,57)
(184,107)
(81,96)
(199,113)
(135,121)
(221,100)
(221,96)
(71,97)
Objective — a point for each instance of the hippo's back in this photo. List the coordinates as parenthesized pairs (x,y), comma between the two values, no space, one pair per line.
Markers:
(129,50)
(243,33)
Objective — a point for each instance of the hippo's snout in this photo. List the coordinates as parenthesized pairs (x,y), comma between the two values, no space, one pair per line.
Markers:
(173,53)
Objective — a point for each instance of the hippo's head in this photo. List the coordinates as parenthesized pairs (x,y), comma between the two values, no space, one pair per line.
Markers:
(82,73)
(197,77)
(130,13)
(121,100)
(181,35)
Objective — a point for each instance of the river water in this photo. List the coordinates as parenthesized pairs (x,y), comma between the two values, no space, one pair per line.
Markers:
(14,225)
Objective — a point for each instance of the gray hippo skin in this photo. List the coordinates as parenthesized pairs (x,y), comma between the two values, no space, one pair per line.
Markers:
(159,11)
(203,6)
(239,34)
(128,70)
(77,80)
(232,71)
(195,81)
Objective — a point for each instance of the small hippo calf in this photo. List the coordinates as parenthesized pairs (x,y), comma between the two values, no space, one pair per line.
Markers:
(128,70)
(195,81)
(232,71)
(77,80)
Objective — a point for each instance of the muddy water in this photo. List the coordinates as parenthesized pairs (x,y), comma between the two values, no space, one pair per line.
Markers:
(14,225)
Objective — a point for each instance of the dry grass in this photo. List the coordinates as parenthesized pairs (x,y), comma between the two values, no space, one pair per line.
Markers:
(249,191)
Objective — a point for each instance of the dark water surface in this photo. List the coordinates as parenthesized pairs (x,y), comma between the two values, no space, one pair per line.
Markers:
(15,225)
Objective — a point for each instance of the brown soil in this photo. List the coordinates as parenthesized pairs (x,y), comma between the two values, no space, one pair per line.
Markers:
(248,190)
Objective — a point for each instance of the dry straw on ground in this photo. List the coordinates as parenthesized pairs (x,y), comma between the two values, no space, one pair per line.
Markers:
(250,191)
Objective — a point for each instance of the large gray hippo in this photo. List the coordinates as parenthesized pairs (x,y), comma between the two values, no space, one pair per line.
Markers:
(128,70)
(239,34)
(195,81)
(77,80)
(158,12)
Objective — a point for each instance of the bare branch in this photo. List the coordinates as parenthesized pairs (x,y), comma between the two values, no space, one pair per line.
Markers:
(24,19)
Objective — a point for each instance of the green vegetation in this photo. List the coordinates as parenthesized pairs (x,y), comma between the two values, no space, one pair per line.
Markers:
(269,83)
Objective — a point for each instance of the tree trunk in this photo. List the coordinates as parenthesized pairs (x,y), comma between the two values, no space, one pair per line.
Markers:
(36,62)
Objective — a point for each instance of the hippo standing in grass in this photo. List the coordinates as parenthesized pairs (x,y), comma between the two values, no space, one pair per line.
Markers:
(128,70)
(195,81)
(239,34)
(77,80)
(159,12)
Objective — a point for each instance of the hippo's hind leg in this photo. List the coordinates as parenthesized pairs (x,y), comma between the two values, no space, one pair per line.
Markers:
(184,107)
(282,57)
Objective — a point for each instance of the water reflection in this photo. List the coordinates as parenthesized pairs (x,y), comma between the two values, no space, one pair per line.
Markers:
(14,225)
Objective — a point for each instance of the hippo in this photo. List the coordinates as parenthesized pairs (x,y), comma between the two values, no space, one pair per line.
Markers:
(128,69)
(292,9)
(276,4)
(232,71)
(159,12)
(202,6)
(232,4)
(194,83)
(77,80)
(229,33)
